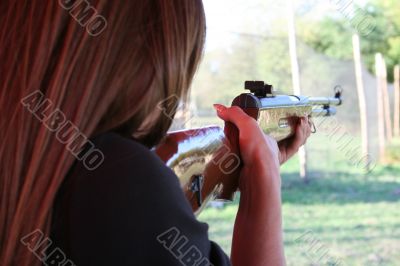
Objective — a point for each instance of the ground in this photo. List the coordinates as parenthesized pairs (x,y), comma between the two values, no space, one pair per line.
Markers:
(341,216)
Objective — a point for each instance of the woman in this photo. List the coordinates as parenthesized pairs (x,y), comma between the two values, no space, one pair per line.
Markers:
(78,70)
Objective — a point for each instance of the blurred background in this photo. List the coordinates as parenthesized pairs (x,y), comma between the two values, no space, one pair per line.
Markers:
(343,211)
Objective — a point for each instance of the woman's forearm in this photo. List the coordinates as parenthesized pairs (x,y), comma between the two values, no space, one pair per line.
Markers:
(257,236)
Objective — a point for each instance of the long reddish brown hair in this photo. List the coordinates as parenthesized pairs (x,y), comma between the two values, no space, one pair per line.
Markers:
(102,79)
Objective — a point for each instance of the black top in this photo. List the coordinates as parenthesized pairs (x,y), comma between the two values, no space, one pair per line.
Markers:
(129,211)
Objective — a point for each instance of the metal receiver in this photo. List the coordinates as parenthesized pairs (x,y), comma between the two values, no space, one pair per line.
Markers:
(276,114)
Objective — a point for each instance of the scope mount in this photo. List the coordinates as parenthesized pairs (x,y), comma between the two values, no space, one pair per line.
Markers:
(259,88)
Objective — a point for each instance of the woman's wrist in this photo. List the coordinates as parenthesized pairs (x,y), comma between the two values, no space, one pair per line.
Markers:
(265,169)
(260,187)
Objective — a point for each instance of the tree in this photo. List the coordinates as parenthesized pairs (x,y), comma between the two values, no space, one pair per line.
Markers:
(332,35)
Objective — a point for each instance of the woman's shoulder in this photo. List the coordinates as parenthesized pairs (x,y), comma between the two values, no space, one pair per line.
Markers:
(123,208)
(127,165)
(117,149)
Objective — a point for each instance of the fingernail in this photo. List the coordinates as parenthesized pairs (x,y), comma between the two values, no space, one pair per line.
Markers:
(219,107)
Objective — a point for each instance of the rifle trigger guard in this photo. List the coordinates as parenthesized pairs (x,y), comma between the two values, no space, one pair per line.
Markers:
(196,187)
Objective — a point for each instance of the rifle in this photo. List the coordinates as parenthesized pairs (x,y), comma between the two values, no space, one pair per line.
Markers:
(207,160)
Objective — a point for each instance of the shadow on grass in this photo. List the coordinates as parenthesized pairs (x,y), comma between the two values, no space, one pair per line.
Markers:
(346,232)
(382,185)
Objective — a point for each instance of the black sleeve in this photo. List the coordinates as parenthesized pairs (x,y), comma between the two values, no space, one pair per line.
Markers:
(129,211)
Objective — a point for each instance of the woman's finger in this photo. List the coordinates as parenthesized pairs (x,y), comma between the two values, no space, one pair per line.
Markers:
(299,135)
(233,114)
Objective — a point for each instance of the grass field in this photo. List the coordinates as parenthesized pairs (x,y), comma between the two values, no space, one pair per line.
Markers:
(340,216)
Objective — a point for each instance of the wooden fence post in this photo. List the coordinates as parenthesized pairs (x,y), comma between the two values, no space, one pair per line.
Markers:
(386,102)
(381,112)
(296,80)
(361,98)
(397,101)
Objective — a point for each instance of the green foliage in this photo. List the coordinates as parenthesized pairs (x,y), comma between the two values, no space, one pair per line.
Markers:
(332,35)
(223,72)
(329,36)
(393,152)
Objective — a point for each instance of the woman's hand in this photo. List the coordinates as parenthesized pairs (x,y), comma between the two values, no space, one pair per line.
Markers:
(257,235)
(258,151)
(289,147)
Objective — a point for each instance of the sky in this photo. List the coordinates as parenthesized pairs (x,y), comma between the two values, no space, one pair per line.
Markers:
(225,18)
